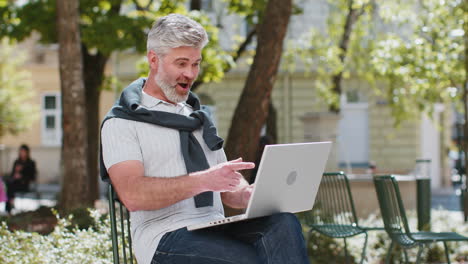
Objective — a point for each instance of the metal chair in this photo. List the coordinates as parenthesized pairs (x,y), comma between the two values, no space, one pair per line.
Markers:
(334,214)
(396,223)
(123,231)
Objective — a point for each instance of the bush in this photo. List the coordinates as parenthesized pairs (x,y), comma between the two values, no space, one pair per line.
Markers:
(88,241)
(65,244)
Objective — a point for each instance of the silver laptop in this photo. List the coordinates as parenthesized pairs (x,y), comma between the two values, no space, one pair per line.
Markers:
(287,180)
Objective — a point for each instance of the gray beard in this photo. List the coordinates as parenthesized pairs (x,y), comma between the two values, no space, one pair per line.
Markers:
(169,90)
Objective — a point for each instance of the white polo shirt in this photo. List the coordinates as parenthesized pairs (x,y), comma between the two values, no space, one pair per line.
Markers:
(158,148)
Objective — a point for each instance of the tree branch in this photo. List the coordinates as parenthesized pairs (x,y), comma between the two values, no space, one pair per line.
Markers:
(348,27)
(351,18)
(142,8)
(195,4)
(363,8)
(452,82)
(246,42)
(115,7)
(242,47)
(238,54)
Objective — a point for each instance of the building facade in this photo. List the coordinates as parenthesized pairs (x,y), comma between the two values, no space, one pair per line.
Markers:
(363,133)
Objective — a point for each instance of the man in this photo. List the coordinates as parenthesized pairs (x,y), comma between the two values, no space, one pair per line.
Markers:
(168,167)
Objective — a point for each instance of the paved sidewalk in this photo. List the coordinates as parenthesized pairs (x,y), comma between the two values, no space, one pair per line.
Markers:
(31,201)
(447,198)
(47,197)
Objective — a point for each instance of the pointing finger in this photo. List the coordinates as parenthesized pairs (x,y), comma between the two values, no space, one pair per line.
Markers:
(241,165)
(236,160)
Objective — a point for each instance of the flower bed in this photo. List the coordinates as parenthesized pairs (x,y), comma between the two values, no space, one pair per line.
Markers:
(91,243)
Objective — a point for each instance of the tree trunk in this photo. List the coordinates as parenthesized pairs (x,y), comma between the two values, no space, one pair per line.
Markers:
(271,124)
(252,108)
(351,18)
(195,4)
(93,73)
(75,187)
(465,88)
(465,108)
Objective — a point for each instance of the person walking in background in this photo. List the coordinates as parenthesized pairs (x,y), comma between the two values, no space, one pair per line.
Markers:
(22,174)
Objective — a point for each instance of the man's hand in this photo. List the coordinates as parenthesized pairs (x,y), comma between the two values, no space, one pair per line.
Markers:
(139,192)
(245,194)
(224,176)
(238,199)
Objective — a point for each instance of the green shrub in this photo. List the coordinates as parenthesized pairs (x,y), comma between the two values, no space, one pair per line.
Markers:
(87,241)
(65,244)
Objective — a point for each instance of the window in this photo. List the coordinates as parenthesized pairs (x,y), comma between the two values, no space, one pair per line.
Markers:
(51,119)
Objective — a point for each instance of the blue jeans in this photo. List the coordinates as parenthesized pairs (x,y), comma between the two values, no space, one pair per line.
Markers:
(272,239)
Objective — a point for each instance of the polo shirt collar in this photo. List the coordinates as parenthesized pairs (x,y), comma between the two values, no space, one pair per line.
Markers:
(149,101)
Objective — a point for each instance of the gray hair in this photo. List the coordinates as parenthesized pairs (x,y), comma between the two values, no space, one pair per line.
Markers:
(173,31)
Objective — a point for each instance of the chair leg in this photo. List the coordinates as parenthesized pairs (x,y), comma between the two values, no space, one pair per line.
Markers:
(129,237)
(122,229)
(420,250)
(363,254)
(115,247)
(406,255)
(346,251)
(447,252)
(308,237)
(389,253)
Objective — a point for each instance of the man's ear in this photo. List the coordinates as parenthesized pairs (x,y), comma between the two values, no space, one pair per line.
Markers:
(153,60)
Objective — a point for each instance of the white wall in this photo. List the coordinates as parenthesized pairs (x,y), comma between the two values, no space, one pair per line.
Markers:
(430,144)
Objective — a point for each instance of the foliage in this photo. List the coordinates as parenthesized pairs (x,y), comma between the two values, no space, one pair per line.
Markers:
(218,61)
(321,52)
(424,63)
(410,52)
(252,10)
(66,244)
(69,243)
(104,30)
(16,110)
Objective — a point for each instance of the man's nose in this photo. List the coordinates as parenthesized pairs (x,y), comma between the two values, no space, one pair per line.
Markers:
(190,73)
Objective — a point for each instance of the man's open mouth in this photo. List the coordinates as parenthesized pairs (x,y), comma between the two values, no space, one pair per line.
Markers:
(184,85)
